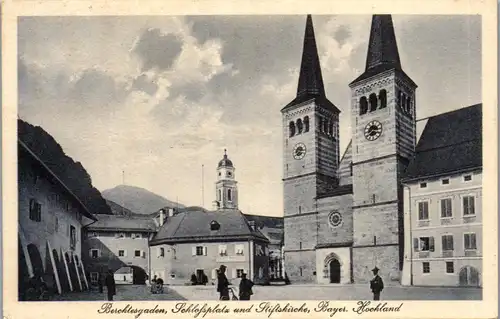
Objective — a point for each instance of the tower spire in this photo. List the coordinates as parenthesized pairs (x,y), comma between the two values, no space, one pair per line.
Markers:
(310,79)
(382,46)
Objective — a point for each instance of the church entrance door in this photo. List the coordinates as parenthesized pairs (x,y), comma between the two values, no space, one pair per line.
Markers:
(334,271)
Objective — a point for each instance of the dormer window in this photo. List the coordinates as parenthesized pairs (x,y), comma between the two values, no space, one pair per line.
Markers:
(214,225)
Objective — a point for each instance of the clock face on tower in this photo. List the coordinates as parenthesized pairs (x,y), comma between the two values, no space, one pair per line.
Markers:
(299,151)
(373,130)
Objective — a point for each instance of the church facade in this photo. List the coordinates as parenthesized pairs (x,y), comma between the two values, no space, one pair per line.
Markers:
(344,216)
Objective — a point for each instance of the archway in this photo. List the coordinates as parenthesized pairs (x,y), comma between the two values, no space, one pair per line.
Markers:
(334,271)
(131,275)
(469,276)
(61,270)
(36,260)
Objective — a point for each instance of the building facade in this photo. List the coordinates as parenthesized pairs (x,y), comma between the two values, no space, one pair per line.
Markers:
(344,216)
(443,203)
(50,222)
(119,244)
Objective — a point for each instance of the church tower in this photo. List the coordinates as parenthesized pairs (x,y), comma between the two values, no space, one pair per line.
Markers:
(225,187)
(310,160)
(384,137)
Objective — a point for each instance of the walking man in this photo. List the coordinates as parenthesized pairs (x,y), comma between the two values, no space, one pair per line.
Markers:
(110,285)
(222,284)
(376,284)
(245,287)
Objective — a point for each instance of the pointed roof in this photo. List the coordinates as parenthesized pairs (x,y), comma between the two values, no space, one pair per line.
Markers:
(310,84)
(383,54)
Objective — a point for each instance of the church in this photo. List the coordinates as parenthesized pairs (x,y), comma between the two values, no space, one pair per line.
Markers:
(343,213)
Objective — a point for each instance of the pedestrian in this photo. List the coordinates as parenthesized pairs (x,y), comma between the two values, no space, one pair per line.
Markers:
(99,283)
(110,285)
(222,284)
(245,287)
(376,284)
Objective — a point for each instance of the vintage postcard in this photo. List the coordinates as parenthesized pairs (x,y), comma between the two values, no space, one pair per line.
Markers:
(220,159)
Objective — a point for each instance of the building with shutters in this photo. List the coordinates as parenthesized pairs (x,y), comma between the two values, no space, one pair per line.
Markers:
(443,203)
(121,244)
(344,213)
(50,222)
(197,242)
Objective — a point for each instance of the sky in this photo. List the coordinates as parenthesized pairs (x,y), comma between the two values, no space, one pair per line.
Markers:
(160,97)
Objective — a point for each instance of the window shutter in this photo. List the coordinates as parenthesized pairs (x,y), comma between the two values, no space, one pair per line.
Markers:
(431,243)
(415,244)
(143,253)
(193,250)
(125,253)
(471,204)
(99,253)
(205,250)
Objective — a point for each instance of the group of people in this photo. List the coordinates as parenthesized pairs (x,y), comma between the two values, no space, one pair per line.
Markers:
(223,289)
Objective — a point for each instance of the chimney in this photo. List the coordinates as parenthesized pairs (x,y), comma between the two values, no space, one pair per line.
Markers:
(252,224)
(162,217)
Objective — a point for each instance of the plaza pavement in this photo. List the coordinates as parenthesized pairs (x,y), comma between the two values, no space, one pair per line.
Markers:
(291,292)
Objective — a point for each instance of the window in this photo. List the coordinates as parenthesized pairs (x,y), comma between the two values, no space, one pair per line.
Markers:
(120,235)
(445,181)
(222,250)
(306,124)
(470,241)
(408,105)
(292,129)
(121,253)
(239,272)
(450,267)
(300,209)
(199,250)
(94,253)
(446,208)
(423,244)
(447,242)
(94,277)
(162,252)
(383,98)
(423,185)
(72,237)
(56,225)
(137,235)
(467,178)
(325,126)
(423,210)
(300,269)
(350,168)
(469,208)
(300,245)
(229,197)
(426,267)
(137,253)
(35,211)
(238,249)
(363,105)
(228,174)
(299,126)
(214,225)
(373,102)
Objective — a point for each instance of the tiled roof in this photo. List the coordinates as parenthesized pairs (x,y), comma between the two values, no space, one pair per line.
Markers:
(194,225)
(451,142)
(124,223)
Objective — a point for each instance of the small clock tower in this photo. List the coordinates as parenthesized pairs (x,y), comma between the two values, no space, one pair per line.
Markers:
(310,160)
(225,187)
(383,142)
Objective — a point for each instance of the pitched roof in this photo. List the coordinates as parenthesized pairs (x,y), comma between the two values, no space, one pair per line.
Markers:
(24,149)
(194,226)
(451,142)
(265,221)
(310,84)
(122,223)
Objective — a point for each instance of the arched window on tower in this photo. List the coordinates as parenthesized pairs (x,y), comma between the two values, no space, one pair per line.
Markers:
(403,101)
(320,123)
(408,105)
(229,195)
(306,124)
(373,102)
(325,126)
(363,105)
(299,126)
(330,128)
(350,168)
(292,128)
(383,98)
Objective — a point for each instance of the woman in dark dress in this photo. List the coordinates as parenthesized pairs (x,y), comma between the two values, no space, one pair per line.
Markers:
(110,285)
(245,287)
(223,284)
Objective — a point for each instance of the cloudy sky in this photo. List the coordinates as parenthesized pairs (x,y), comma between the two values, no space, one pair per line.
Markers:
(158,97)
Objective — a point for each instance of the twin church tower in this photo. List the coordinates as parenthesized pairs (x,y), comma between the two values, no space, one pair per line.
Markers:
(344,214)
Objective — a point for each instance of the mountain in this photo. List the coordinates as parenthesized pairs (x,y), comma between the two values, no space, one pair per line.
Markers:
(138,200)
(69,171)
